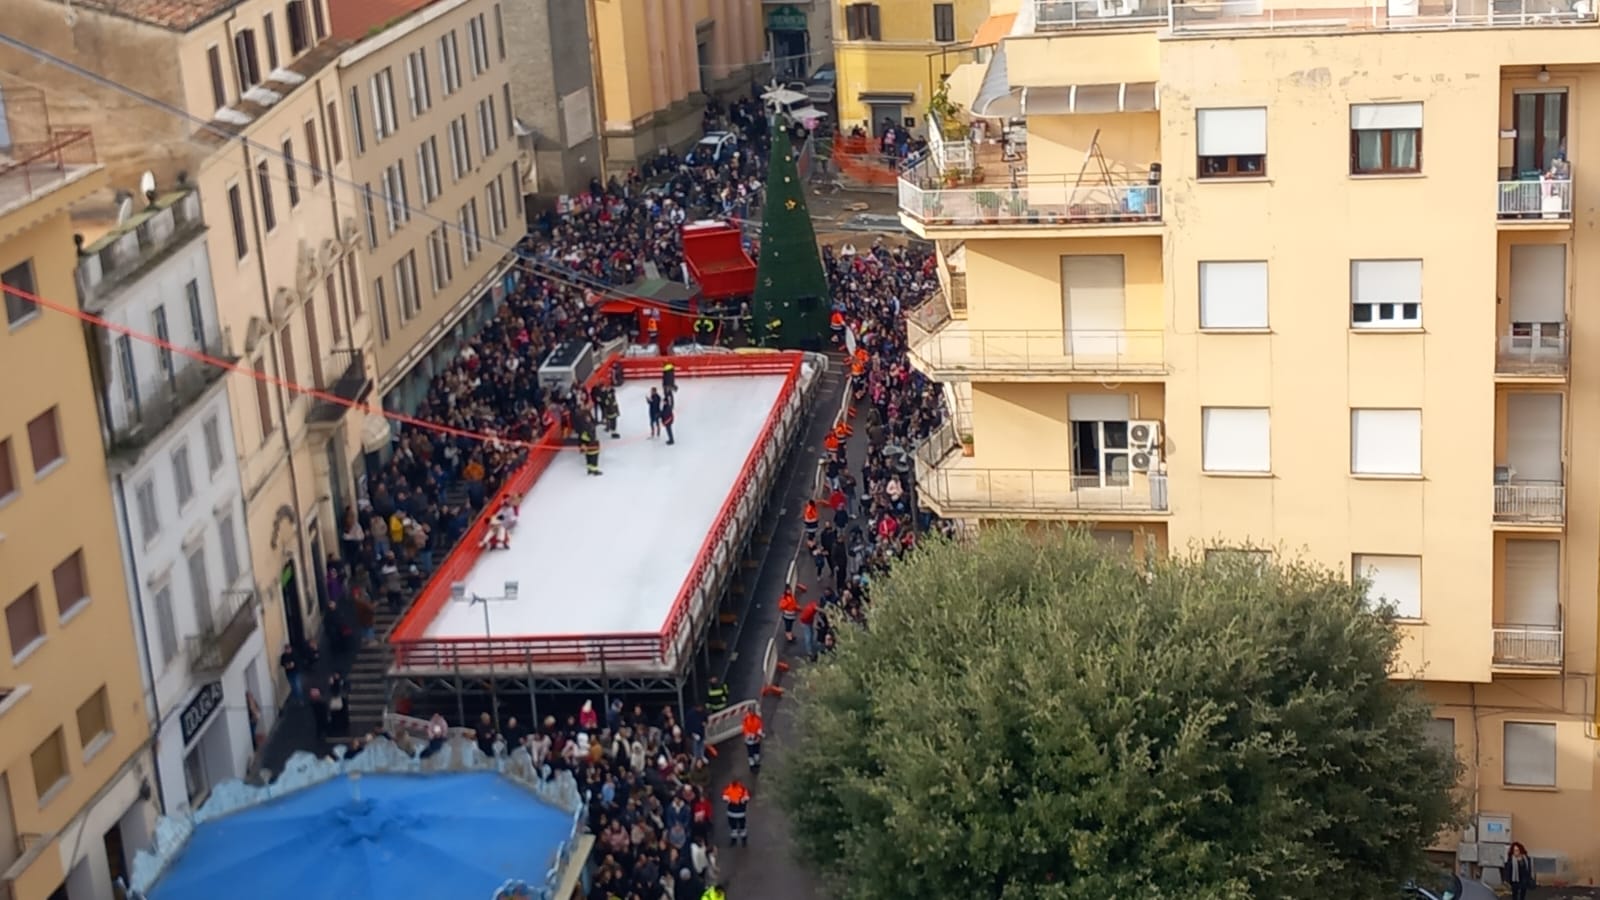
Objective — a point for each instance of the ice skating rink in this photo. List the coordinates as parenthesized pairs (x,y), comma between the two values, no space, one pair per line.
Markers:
(609,554)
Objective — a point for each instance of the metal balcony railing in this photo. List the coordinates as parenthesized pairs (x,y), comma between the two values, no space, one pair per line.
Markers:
(351,385)
(1235,16)
(1533,348)
(955,350)
(942,199)
(1547,199)
(956,489)
(1528,646)
(219,640)
(1535,502)
(1072,15)
(137,422)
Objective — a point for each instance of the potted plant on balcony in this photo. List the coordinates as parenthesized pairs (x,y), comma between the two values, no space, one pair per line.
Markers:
(966,445)
(1017,208)
(988,207)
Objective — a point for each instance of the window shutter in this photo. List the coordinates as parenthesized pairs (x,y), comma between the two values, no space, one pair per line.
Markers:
(1533,583)
(1233,294)
(872,22)
(1386,441)
(1538,283)
(1530,753)
(1386,281)
(1396,580)
(1232,132)
(1098,407)
(1235,439)
(1385,116)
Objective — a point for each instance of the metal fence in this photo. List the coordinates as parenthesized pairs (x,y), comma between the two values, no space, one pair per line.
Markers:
(1542,199)
(1531,502)
(956,349)
(974,491)
(1527,645)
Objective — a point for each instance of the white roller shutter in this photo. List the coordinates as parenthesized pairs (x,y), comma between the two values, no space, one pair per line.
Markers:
(1533,583)
(1099,407)
(1533,436)
(1233,294)
(1094,293)
(1232,132)
(1235,439)
(1385,116)
(1393,580)
(1530,754)
(1386,441)
(1386,281)
(1538,283)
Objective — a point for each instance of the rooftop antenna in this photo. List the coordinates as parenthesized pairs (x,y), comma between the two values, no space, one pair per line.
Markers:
(147,187)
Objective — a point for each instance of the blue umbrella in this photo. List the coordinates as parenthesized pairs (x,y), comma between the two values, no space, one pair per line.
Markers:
(438,836)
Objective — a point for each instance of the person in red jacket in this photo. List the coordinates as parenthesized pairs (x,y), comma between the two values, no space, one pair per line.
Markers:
(790,610)
(808,629)
(753,733)
(737,796)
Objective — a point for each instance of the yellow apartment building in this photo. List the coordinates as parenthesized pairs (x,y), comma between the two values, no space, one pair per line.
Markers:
(1213,289)
(434,151)
(265,124)
(888,55)
(73,772)
(657,60)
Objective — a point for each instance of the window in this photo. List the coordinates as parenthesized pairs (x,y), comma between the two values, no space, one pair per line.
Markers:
(313,156)
(219,92)
(450,63)
(335,149)
(385,120)
(471,240)
(44,440)
(505,101)
(494,196)
(149,516)
(200,588)
(1233,295)
(196,782)
(299,34)
(270,30)
(418,94)
(8,471)
(1236,439)
(166,623)
(460,148)
(861,22)
(499,34)
(244,59)
(1540,122)
(269,217)
(382,303)
(197,316)
(358,138)
(24,625)
(164,345)
(263,401)
(395,202)
(230,550)
(944,22)
(94,718)
(314,346)
(1232,143)
(1386,441)
(405,285)
(241,243)
(49,761)
(428,170)
(488,127)
(71,582)
(286,347)
(1385,138)
(1099,428)
(291,178)
(1442,732)
(1392,581)
(478,45)
(318,19)
(1385,293)
(438,261)
(128,376)
(1530,754)
(334,328)
(372,216)
(19,278)
(213,438)
(353,279)
(182,477)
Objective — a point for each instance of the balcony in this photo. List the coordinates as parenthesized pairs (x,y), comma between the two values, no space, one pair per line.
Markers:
(957,490)
(952,351)
(351,386)
(1536,201)
(146,237)
(1533,350)
(1527,647)
(135,422)
(1245,16)
(971,200)
(1074,15)
(1531,503)
(41,155)
(221,636)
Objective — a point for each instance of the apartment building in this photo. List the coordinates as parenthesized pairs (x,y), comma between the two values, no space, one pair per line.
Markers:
(73,769)
(263,138)
(177,494)
(553,101)
(657,60)
(890,55)
(1219,293)
(428,105)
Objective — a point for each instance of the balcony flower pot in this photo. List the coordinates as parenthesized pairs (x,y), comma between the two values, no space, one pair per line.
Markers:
(988,207)
(966,445)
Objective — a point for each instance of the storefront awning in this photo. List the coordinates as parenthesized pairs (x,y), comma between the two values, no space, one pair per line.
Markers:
(993,29)
(997,99)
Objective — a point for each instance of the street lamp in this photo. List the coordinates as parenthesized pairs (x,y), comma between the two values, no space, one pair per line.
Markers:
(458,591)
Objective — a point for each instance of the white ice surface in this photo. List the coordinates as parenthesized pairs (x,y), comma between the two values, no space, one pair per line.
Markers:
(609,554)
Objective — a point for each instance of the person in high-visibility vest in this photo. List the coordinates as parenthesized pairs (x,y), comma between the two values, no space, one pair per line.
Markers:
(836,325)
(831,444)
(705,330)
(714,892)
(791,611)
(753,733)
(669,377)
(590,445)
(737,796)
(652,325)
(843,430)
(716,695)
(809,516)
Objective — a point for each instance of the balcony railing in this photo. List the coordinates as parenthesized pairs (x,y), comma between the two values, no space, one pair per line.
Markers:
(34,167)
(955,350)
(1233,16)
(1533,348)
(219,640)
(1546,199)
(1536,502)
(1527,646)
(1032,201)
(957,489)
(136,424)
(1068,15)
(351,386)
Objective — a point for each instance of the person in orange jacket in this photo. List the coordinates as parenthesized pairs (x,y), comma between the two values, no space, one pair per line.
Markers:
(791,611)
(753,734)
(810,518)
(843,430)
(737,796)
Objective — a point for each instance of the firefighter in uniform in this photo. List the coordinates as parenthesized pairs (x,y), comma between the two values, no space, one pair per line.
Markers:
(608,409)
(705,331)
(737,796)
(753,733)
(773,330)
(747,319)
(790,610)
(836,325)
(716,695)
(669,377)
(590,445)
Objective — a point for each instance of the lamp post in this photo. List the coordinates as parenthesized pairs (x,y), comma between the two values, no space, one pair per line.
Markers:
(458,591)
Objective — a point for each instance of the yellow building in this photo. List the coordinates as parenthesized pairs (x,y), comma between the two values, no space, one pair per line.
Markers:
(1219,293)
(73,729)
(657,61)
(889,55)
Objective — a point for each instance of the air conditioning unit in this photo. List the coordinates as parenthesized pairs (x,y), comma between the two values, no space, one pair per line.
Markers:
(1144,435)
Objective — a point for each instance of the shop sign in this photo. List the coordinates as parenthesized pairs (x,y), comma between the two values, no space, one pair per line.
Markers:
(786,18)
(200,710)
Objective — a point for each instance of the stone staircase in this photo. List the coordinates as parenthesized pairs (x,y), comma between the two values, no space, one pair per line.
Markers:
(367,687)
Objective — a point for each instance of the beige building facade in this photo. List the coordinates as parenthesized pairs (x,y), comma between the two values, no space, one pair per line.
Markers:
(73,730)
(1220,294)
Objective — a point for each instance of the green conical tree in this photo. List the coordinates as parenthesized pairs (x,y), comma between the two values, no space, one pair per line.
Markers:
(791,286)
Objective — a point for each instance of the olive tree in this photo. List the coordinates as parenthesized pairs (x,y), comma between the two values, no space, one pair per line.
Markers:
(1035,716)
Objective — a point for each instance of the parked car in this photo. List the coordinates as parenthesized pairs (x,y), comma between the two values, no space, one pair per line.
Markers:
(823,84)
(1450,887)
(715,147)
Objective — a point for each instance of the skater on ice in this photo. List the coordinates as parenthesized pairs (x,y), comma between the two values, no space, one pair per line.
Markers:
(654,401)
(668,402)
(498,537)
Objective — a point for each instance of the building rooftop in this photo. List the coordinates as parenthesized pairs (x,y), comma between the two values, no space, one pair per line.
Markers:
(357,19)
(43,155)
(132,245)
(173,15)
(278,84)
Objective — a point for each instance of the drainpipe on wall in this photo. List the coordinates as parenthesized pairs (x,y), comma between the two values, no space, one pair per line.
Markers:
(326,156)
(599,85)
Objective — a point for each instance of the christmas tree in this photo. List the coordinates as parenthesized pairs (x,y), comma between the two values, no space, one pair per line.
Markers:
(791,287)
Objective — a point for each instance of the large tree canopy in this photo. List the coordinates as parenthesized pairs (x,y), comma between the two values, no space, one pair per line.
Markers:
(1037,717)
